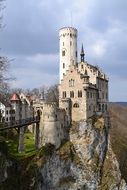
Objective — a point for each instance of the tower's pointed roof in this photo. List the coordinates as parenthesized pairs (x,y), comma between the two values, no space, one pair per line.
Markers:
(15,97)
(82,50)
(82,54)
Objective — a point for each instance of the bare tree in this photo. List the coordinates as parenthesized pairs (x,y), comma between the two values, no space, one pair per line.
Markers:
(4,62)
(53,94)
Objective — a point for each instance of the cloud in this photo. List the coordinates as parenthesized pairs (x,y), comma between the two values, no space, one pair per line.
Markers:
(34,71)
(31,37)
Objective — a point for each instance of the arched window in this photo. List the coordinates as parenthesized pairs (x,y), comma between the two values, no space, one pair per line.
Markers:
(79,93)
(76,105)
(71,94)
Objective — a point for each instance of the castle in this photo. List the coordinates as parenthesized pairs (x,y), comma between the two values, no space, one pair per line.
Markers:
(83,92)
(18,107)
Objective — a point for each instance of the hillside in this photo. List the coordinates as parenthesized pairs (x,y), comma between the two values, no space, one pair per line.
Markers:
(118,133)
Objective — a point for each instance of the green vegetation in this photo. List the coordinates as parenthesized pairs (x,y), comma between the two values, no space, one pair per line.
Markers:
(29,144)
(66,151)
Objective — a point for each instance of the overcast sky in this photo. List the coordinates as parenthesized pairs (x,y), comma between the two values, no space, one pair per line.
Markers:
(30,37)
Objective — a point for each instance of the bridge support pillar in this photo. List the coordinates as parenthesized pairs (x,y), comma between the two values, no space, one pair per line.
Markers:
(21,147)
(37,136)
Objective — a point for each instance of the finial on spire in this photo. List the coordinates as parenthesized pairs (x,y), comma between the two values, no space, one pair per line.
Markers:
(82,54)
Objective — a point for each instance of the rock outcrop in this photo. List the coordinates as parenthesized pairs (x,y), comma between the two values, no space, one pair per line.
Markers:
(84,162)
(80,163)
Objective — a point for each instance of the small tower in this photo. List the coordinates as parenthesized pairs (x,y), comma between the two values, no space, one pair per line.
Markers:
(68,49)
(82,54)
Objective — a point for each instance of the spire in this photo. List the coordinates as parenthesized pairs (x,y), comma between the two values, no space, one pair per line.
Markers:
(82,54)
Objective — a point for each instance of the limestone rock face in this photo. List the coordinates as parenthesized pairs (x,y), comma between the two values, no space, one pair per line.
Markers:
(80,163)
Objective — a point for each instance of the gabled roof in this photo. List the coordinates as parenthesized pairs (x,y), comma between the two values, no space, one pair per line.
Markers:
(15,97)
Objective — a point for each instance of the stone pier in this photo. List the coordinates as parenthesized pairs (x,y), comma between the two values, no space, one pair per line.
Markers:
(37,136)
(21,146)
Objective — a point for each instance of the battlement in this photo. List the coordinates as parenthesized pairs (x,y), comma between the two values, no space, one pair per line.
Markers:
(69,31)
(68,28)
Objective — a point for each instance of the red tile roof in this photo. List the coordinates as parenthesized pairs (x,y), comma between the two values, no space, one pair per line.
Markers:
(15,97)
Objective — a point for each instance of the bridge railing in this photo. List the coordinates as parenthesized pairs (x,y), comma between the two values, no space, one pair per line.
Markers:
(22,121)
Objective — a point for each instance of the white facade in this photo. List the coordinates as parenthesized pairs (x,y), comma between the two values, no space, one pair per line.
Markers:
(2,110)
(68,49)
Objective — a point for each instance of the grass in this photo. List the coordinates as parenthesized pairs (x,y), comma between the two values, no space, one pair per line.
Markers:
(29,144)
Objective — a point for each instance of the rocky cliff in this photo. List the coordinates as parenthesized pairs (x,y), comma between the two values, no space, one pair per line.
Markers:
(84,162)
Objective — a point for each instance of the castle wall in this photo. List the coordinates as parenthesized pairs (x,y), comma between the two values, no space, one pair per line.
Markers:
(91,99)
(52,125)
(102,86)
(72,83)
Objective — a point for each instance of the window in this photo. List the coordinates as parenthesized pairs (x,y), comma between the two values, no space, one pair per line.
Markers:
(71,82)
(63,65)
(71,94)
(13,118)
(81,66)
(63,53)
(76,105)
(63,43)
(7,112)
(87,94)
(70,43)
(70,35)
(103,108)
(76,53)
(103,95)
(79,93)
(99,107)
(64,94)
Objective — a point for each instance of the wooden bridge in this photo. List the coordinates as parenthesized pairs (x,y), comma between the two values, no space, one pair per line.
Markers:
(20,125)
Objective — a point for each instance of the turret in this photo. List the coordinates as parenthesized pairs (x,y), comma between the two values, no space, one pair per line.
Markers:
(68,49)
(82,54)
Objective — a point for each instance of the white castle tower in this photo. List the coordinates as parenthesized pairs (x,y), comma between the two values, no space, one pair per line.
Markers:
(68,49)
